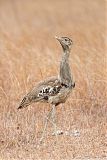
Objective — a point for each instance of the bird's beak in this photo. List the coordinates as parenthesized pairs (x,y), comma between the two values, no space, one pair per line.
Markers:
(58,38)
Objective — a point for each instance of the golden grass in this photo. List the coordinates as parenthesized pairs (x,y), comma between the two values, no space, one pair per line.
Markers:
(29,53)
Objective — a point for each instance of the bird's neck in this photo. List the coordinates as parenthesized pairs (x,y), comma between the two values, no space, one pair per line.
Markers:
(65,72)
(65,54)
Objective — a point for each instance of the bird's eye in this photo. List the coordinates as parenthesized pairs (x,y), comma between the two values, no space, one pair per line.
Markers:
(65,39)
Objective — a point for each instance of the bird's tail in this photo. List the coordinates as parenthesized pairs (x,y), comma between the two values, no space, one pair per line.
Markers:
(20,107)
(24,103)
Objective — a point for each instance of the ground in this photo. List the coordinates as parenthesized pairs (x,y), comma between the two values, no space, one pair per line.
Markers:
(29,53)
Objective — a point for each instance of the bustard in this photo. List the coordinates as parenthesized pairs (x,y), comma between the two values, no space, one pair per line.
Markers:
(54,90)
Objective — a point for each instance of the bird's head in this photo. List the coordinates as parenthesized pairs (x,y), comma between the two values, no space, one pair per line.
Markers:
(65,42)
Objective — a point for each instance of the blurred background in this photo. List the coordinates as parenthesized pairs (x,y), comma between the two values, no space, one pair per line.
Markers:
(30,53)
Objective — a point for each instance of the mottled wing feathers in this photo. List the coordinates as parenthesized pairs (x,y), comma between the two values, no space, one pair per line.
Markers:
(41,92)
(51,90)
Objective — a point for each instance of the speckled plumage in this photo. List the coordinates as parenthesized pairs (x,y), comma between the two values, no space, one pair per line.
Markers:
(53,90)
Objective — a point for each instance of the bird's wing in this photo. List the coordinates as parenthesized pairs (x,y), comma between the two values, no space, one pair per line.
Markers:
(45,88)
(42,91)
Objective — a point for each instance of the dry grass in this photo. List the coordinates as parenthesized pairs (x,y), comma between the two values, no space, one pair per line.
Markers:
(29,53)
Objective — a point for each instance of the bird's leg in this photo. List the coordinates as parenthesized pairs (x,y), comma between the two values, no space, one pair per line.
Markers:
(45,126)
(56,132)
(54,118)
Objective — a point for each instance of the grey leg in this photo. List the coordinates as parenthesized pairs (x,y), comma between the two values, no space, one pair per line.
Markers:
(51,114)
(45,126)
(56,132)
(54,118)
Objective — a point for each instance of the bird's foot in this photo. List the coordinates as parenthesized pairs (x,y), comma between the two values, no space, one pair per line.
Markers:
(58,132)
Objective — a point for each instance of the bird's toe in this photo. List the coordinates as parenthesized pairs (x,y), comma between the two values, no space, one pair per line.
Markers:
(58,132)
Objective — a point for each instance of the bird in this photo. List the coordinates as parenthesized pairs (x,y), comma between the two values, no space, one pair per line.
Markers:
(53,90)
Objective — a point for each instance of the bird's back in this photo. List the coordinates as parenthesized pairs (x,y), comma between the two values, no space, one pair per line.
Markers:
(50,91)
(41,92)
